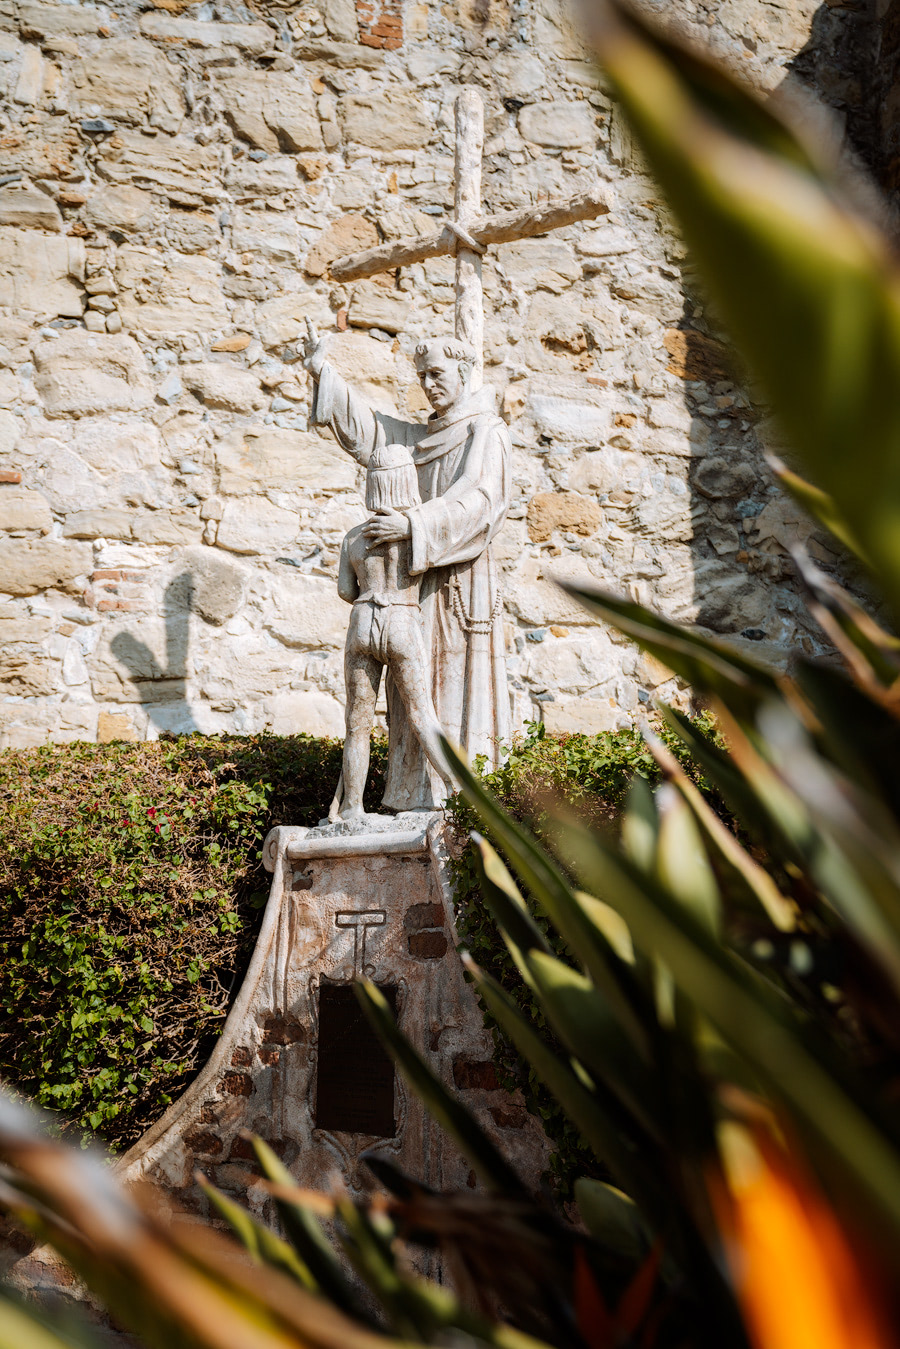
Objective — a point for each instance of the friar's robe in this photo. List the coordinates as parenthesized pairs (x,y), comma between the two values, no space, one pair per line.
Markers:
(463,466)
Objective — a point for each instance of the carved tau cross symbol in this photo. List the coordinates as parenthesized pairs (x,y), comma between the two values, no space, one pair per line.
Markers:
(468,234)
(361,921)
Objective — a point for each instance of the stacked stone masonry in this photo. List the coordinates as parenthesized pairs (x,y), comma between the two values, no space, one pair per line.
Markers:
(174,183)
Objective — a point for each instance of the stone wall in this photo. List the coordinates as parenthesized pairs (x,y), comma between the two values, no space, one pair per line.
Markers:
(173,184)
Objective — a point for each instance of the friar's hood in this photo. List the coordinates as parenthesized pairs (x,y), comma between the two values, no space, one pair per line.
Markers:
(447,432)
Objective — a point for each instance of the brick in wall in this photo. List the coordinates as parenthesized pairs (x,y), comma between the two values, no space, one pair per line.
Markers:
(380,23)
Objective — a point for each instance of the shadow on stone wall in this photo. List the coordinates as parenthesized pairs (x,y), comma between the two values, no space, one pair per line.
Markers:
(162,686)
(841,64)
(742,575)
(744,580)
(886,95)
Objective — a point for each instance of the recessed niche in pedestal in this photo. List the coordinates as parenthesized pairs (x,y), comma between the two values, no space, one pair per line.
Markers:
(354,1074)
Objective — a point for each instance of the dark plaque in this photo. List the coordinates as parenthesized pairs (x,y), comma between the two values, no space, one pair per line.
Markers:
(354,1075)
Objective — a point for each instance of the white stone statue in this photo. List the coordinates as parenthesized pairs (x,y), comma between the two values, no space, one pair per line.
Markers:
(385,630)
(462,460)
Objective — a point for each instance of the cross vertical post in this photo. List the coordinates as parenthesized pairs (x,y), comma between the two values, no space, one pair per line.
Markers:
(469,318)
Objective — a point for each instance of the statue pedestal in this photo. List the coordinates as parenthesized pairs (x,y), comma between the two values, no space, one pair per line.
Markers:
(297,1062)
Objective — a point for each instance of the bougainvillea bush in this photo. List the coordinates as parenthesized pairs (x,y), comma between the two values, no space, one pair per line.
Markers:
(131,891)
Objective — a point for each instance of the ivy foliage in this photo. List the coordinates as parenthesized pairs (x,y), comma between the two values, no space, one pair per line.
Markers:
(593,775)
(131,891)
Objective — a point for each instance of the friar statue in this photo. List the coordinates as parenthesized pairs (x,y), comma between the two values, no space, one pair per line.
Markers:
(462,459)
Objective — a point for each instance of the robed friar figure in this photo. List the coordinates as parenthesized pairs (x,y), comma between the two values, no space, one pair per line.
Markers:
(462,459)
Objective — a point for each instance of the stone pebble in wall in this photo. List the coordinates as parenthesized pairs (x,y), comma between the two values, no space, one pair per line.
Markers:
(172,192)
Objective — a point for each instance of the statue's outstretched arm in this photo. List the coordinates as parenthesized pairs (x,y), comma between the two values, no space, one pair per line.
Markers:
(334,403)
(313,345)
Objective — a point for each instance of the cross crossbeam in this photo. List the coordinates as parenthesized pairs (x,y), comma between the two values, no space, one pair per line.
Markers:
(492,229)
(468,228)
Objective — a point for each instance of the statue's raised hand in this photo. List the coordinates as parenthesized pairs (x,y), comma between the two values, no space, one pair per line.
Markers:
(313,349)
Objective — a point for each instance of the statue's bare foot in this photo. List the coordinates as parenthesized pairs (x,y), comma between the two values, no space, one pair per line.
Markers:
(353,812)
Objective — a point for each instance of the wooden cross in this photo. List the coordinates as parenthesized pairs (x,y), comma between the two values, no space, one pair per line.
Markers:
(468,234)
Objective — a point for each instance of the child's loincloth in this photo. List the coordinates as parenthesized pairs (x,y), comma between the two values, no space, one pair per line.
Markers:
(385,627)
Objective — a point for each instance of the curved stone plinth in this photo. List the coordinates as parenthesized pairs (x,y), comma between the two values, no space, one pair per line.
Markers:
(296,1062)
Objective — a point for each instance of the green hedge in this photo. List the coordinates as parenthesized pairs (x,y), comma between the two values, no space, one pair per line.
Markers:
(131,889)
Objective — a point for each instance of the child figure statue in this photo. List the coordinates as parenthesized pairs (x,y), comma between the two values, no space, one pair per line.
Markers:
(385,630)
